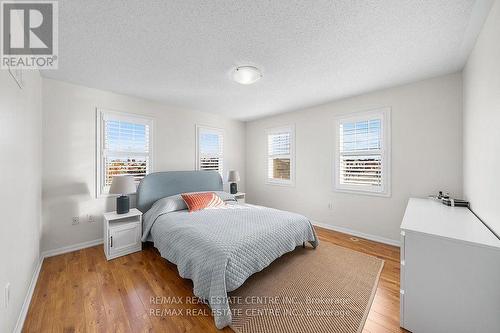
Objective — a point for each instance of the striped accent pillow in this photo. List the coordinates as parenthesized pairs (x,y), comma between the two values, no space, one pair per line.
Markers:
(198,201)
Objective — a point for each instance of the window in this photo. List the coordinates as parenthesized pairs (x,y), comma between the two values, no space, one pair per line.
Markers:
(280,155)
(362,159)
(124,147)
(210,149)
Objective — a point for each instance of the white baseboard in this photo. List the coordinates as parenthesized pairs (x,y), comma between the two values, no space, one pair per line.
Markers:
(71,248)
(36,273)
(27,299)
(359,234)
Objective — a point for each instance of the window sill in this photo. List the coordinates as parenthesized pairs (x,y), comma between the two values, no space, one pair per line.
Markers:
(361,192)
(280,183)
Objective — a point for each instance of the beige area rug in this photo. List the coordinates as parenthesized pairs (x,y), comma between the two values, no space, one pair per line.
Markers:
(329,289)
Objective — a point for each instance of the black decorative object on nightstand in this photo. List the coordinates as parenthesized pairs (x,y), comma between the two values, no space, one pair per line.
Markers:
(233,188)
(122,204)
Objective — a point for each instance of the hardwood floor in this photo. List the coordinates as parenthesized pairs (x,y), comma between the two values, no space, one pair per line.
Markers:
(82,292)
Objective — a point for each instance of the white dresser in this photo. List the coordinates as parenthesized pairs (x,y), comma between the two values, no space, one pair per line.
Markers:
(450,271)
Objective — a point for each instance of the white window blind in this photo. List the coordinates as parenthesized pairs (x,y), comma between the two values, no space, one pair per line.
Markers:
(124,147)
(362,160)
(210,149)
(280,159)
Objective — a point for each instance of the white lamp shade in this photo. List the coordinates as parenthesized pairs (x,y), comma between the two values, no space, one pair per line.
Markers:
(233,177)
(122,185)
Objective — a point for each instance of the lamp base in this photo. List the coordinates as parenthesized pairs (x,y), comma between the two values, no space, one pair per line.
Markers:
(122,204)
(233,188)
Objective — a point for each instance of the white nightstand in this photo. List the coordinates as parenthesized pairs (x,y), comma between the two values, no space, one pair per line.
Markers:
(240,197)
(122,233)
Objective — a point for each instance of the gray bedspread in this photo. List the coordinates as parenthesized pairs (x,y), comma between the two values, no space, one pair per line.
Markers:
(220,248)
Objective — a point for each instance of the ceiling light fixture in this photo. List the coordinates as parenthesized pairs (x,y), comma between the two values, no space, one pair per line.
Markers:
(246,74)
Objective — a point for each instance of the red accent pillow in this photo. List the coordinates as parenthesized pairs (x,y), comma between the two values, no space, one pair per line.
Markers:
(198,201)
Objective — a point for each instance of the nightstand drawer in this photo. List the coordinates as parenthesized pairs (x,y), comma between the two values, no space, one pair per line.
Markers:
(124,239)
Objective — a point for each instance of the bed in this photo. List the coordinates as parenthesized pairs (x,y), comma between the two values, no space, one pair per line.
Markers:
(218,249)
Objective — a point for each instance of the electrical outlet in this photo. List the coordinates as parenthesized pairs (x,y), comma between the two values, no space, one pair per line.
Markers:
(7,295)
(91,218)
(76,220)
(330,205)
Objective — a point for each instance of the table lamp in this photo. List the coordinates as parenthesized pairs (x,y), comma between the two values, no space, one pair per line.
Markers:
(233,178)
(122,185)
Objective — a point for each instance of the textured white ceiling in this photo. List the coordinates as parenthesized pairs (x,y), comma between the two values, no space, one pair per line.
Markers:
(310,52)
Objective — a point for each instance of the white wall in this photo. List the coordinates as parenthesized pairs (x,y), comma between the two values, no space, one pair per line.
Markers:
(69,117)
(20,197)
(426,156)
(481,92)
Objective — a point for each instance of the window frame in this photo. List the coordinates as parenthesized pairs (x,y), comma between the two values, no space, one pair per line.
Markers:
(220,131)
(101,115)
(277,130)
(384,114)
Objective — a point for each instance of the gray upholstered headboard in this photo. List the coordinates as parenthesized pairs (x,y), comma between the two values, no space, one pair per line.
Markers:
(163,184)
